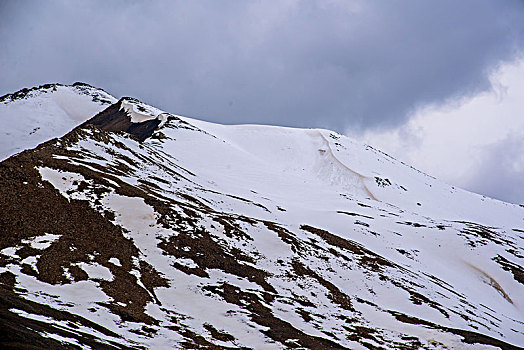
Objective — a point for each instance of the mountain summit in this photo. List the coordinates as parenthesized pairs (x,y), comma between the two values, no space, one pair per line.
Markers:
(144,229)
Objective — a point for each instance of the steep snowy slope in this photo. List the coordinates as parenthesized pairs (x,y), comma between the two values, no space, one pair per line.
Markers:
(32,116)
(144,229)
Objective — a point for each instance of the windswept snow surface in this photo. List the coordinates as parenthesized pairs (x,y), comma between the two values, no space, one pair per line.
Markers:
(46,112)
(140,112)
(270,238)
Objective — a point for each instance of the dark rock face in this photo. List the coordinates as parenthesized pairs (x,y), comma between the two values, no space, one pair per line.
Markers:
(114,118)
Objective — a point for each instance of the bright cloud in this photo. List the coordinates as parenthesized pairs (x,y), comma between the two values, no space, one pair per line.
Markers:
(475,143)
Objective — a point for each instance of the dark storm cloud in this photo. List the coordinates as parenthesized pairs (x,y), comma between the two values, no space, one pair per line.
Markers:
(302,63)
(501,171)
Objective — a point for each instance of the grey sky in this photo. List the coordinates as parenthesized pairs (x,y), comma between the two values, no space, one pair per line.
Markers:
(327,64)
(361,65)
(500,178)
(477,144)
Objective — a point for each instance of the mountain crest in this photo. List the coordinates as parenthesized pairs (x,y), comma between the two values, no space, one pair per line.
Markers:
(131,116)
(98,95)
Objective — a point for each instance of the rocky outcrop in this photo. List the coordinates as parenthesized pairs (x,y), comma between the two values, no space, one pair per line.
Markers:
(115,118)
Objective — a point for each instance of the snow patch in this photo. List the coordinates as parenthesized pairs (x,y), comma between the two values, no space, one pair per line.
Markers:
(115,261)
(10,251)
(140,112)
(96,271)
(64,181)
(41,242)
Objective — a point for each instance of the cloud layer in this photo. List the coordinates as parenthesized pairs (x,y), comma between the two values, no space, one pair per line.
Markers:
(501,172)
(409,76)
(333,64)
(476,143)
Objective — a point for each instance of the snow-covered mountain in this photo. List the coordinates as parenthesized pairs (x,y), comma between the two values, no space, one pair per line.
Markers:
(144,229)
(32,116)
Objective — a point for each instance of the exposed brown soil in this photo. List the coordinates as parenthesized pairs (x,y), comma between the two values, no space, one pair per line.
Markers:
(365,257)
(199,246)
(219,335)
(279,330)
(34,207)
(196,341)
(467,336)
(355,214)
(17,332)
(286,236)
(516,270)
(336,296)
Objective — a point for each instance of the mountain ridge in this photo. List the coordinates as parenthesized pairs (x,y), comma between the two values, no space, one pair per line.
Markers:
(208,236)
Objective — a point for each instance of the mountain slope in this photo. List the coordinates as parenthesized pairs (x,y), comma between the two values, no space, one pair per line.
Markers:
(140,228)
(32,116)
